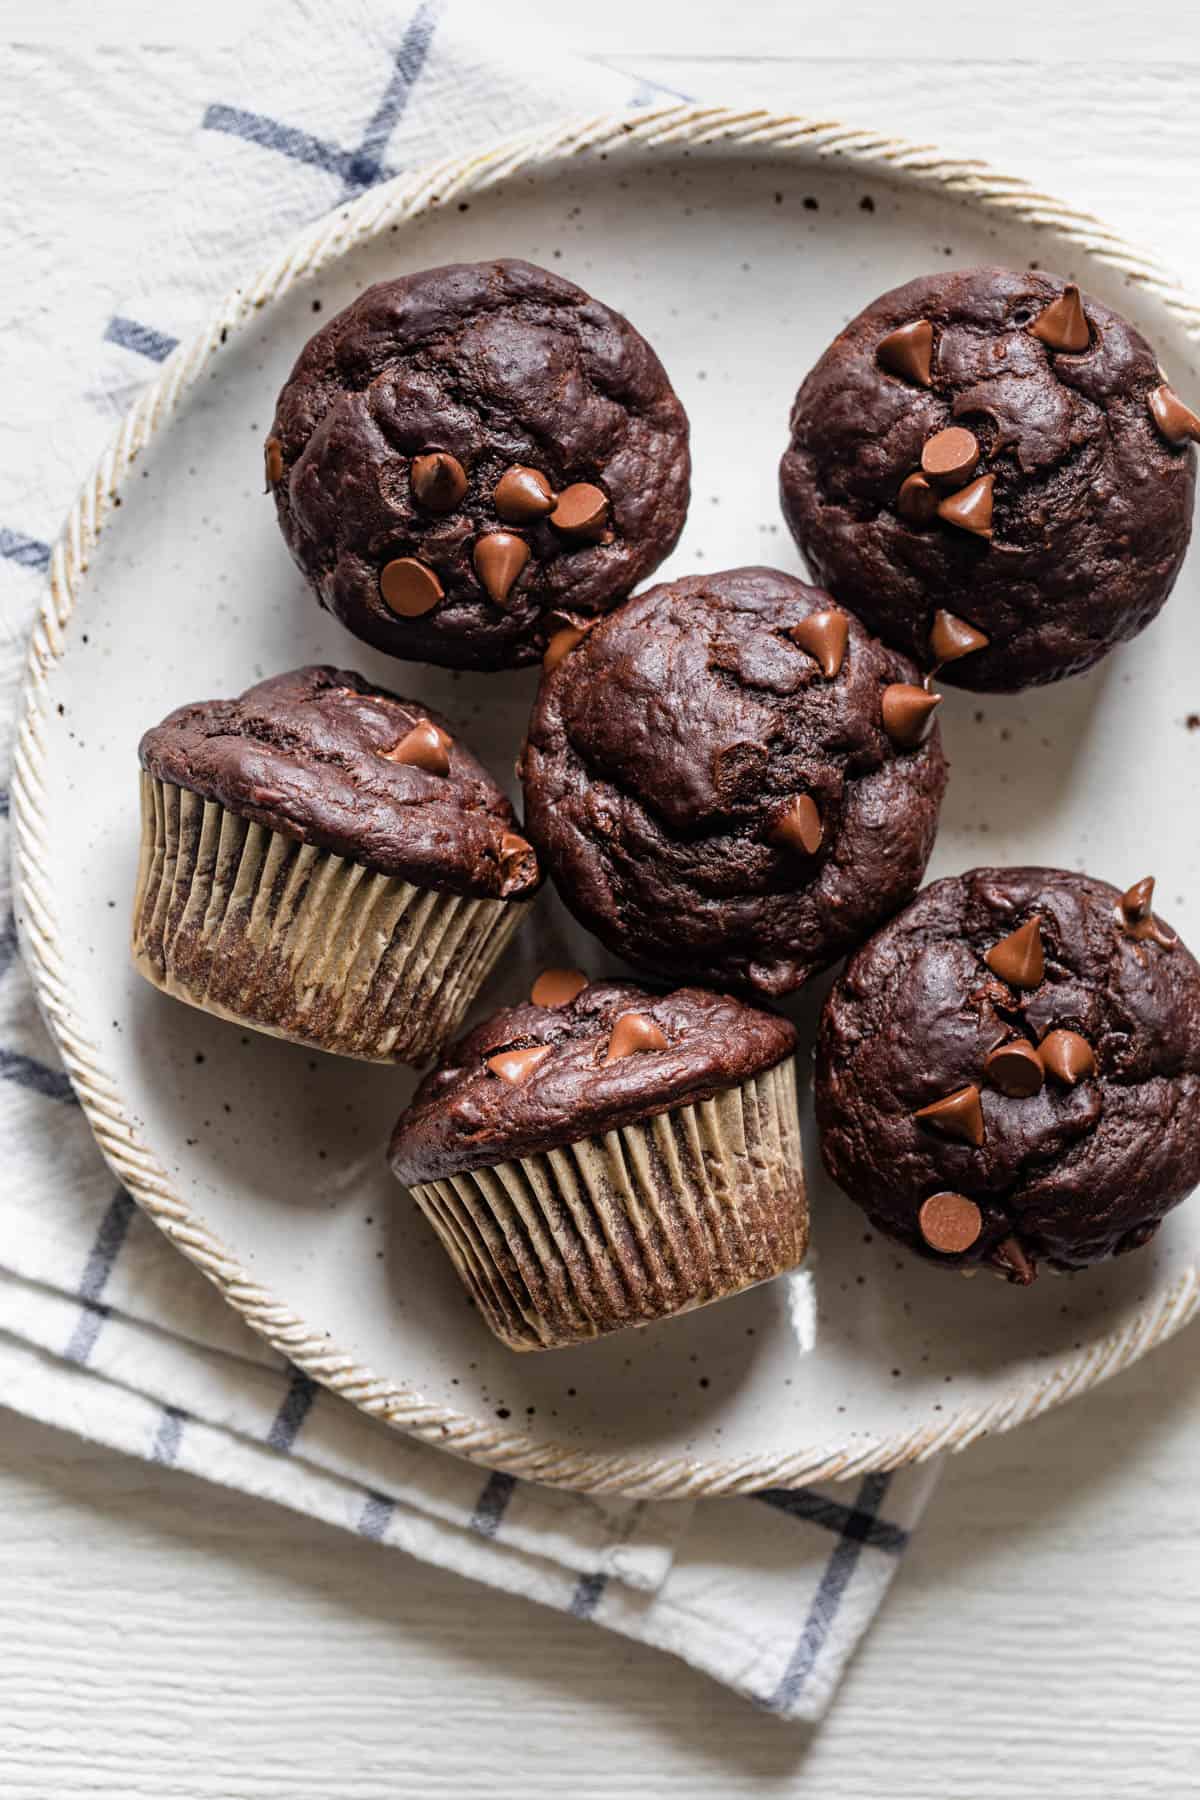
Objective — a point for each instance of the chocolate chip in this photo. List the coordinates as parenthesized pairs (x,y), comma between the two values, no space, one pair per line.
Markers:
(1015,1070)
(633,1032)
(1177,422)
(959,1115)
(557,987)
(562,644)
(798,826)
(409,588)
(1135,915)
(516,1066)
(952,637)
(1013,1262)
(908,352)
(518,863)
(439,481)
(823,636)
(908,713)
(273,460)
(522,495)
(1019,958)
(513,848)
(971,508)
(581,511)
(1063,325)
(949,456)
(950,1223)
(424,747)
(916,502)
(1137,901)
(1066,1056)
(499,558)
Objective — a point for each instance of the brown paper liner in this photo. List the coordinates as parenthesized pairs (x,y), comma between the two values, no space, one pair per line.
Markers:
(254,926)
(634,1225)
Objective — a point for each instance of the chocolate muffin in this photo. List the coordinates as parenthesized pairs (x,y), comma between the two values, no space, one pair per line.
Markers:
(730,780)
(1009,1072)
(608,1157)
(467,457)
(991,469)
(326,862)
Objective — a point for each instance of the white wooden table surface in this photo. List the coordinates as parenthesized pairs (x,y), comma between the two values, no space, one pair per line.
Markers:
(1042,1639)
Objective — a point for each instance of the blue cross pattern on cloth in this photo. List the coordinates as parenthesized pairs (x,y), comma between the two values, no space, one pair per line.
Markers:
(361,166)
(26,552)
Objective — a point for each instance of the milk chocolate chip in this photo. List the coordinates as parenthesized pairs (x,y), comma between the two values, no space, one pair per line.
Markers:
(409,588)
(823,636)
(424,747)
(513,849)
(952,637)
(1063,326)
(908,352)
(917,501)
(632,1033)
(950,456)
(1177,422)
(1012,1260)
(1019,958)
(950,1223)
(439,481)
(581,510)
(1135,915)
(959,1115)
(516,1066)
(1067,1057)
(562,644)
(499,558)
(908,713)
(1014,1069)
(798,826)
(522,495)
(971,508)
(557,987)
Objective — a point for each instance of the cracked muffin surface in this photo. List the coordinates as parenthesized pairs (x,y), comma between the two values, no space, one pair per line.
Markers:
(467,457)
(326,757)
(1009,1072)
(990,468)
(731,781)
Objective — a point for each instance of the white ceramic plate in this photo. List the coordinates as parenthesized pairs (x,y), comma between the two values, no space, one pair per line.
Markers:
(739,243)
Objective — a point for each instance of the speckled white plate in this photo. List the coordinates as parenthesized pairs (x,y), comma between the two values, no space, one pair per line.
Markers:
(739,243)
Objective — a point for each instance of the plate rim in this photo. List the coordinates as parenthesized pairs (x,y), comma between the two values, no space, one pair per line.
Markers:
(644,1474)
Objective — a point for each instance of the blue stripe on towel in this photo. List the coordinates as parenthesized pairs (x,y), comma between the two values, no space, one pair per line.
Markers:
(837,1577)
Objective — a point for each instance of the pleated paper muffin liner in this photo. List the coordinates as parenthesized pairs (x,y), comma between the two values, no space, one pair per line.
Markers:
(254,926)
(633,1225)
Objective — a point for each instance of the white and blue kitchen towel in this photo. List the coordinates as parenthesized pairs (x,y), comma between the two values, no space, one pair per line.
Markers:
(164,177)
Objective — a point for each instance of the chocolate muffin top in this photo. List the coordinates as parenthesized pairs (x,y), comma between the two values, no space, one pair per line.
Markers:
(731,781)
(1010,1071)
(466,455)
(989,467)
(534,1078)
(321,755)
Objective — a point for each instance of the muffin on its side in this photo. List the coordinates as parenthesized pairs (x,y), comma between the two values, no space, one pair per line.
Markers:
(1009,1072)
(610,1159)
(467,455)
(992,470)
(731,781)
(325,862)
